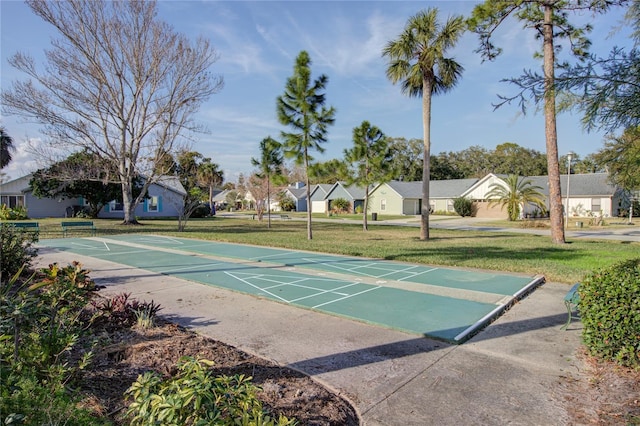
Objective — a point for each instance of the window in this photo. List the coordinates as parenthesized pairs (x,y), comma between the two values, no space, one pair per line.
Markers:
(116,206)
(596,206)
(383,204)
(152,204)
(12,201)
(450,207)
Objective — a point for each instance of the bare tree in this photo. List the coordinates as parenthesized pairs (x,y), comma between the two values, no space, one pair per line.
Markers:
(118,82)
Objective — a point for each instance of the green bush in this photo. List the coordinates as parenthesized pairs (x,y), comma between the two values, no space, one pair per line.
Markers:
(194,396)
(610,312)
(40,323)
(340,205)
(16,250)
(16,213)
(287,204)
(463,206)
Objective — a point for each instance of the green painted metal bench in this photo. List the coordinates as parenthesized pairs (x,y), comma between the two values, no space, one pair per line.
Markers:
(26,225)
(285,217)
(78,225)
(571,300)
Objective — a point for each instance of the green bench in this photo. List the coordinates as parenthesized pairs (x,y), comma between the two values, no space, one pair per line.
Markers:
(285,217)
(78,225)
(26,225)
(571,300)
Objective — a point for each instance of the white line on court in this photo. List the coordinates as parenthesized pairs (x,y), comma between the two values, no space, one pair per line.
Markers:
(126,252)
(90,247)
(347,297)
(159,240)
(186,268)
(419,273)
(271,255)
(325,292)
(319,290)
(256,287)
(397,271)
(337,267)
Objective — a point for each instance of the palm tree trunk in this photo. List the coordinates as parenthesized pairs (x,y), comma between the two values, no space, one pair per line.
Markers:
(426,160)
(551,134)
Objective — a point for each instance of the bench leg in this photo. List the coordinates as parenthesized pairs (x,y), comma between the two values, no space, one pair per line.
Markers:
(569,315)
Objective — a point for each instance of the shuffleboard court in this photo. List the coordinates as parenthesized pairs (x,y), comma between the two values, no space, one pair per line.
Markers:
(377,292)
(488,282)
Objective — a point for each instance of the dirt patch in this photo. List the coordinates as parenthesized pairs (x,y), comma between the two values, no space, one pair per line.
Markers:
(126,353)
(603,394)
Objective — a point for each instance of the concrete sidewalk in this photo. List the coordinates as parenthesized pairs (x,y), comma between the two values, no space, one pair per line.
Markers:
(507,374)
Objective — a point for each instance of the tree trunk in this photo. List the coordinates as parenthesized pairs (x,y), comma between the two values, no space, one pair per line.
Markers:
(553,167)
(128,203)
(426,166)
(212,210)
(365,208)
(268,203)
(306,169)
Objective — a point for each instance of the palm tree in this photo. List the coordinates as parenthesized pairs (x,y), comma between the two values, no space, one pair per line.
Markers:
(269,165)
(210,175)
(417,58)
(513,193)
(302,108)
(6,147)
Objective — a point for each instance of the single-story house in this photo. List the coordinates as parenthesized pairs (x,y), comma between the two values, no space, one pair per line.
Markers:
(297,192)
(590,194)
(318,197)
(405,198)
(354,194)
(165,200)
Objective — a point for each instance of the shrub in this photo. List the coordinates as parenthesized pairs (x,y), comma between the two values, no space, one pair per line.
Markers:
(610,312)
(194,396)
(287,204)
(340,205)
(463,206)
(40,324)
(203,210)
(119,311)
(16,250)
(16,213)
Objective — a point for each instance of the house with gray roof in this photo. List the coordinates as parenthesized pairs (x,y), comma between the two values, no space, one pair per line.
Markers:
(405,198)
(352,193)
(318,197)
(585,194)
(297,192)
(164,200)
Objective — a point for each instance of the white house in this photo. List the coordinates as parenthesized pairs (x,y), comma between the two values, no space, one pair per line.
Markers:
(588,195)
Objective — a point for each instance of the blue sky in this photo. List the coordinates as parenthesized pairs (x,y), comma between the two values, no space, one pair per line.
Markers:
(259,40)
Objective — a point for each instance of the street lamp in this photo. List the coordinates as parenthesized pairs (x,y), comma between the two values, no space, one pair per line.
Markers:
(570,155)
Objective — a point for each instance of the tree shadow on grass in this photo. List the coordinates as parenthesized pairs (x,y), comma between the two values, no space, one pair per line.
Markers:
(469,252)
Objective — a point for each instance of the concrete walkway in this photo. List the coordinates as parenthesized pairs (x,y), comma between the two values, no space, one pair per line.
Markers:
(507,374)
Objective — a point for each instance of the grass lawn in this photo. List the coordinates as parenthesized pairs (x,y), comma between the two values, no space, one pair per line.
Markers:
(498,251)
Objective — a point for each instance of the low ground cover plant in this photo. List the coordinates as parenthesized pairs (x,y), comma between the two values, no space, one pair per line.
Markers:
(610,313)
(50,323)
(194,396)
